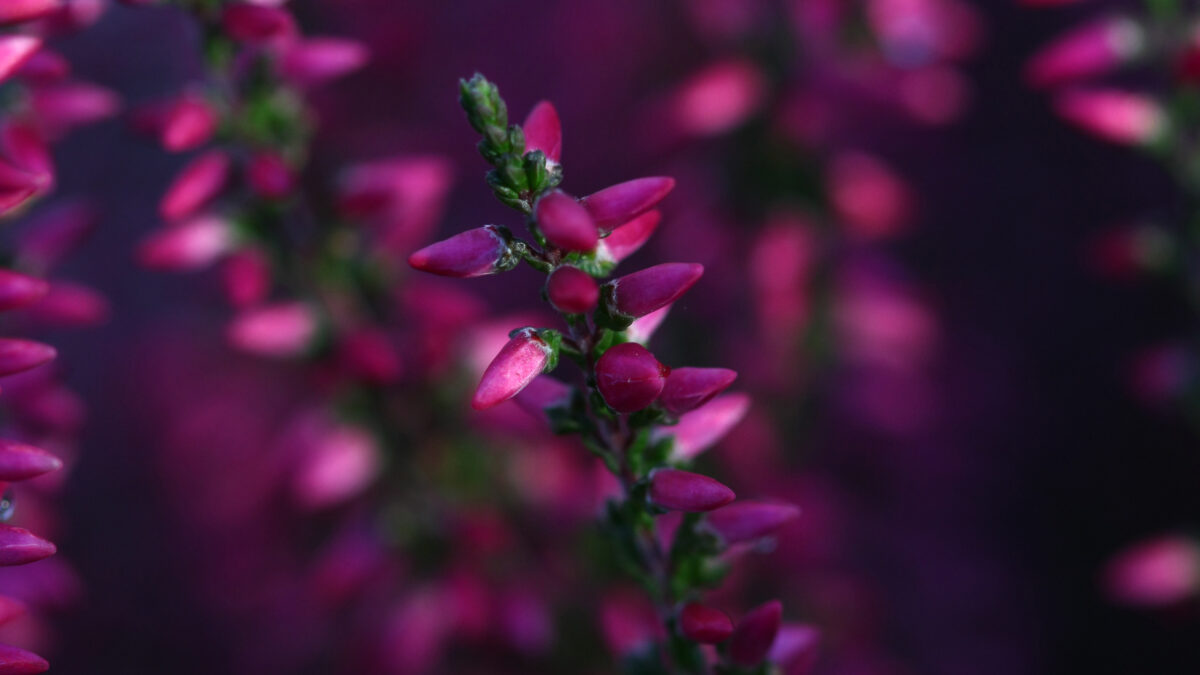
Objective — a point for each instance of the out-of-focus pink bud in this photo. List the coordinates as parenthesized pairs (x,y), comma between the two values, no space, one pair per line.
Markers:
(257,23)
(629,377)
(62,107)
(678,490)
(1154,573)
(621,203)
(643,327)
(45,67)
(282,330)
(26,148)
(18,290)
(517,364)
(315,61)
(338,466)
(704,624)
(188,123)
(269,176)
(18,355)
(54,233)
(15,50)
(19,546)
(246,277)
(572,291)
(74,16)
(795,648)
(1117,116)
(644,291)
(370,355)
(689,388)
(70,304)
(22,462)
(1090,50)
(16,11)
(700,429)
(565,223)
(543,131)
(750,520)
(16,187)
(755,633)
(473,253)
(543,393)
(871,200)
(20,662)
(199,182)
(625,240)
(718,98)
(189,245)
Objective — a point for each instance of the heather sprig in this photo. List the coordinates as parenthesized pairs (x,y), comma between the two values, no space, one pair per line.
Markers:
(626,402)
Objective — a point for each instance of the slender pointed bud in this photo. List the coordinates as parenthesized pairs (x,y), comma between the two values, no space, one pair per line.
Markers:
(750,520)
(644,291)
(22,462)
(14,661)
(257,23)
(190,245)
(625,240)
(19,546)
(702,428)
(521,360)
(62,107)
(269,176)
(15,50)
(1087,51)
(1154,573)
(795,648)
(282,330)
(473,253)
(199,182)
(189,123)
(246,277)
(565,223)
(678,490)
(16,11)
(572,291)
(543,131)
(704,624)
(68,304)
(18,355)
(643,327)
(315,61)
(1116,116)
(690,388)
(629,377)
(18,290)
(755,633)
(543,393)
(621,203)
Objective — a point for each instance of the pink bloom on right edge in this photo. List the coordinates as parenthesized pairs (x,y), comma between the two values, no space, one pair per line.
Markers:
(1154,573)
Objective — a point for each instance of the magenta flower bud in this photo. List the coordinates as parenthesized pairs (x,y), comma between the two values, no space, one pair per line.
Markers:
(1090,50)
(543,131)
(749,520)
(689,388)
(283,330)
(269,176)
(341,462)
(678,490)
(199,182)
(755,634)
(704,624)
(369,354)
(702,428)
(473,253)
(257,23)
(68,304)
(22,462)
(315,61)
(190,245)
(643,327)
(18,355)
(62,107)
(644,291)
(565,223)
(795,648)
(16,11)
(520,361)
(19,546)
(718,98)
(16,187)
(1154,573)
(625,240)
(543,393)
(45,67)
(1116,116)
(189,123)
(572,291)
(621,203)
(18,290)
(15,50)
(246,277)
(15,661)
(55,232)
(629,377)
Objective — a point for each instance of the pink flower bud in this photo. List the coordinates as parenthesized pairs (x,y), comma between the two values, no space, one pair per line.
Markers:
(199,182)
(644,291)
(1092,49)
(269,176)
(315,61)
(870,199)
(16,11)
(625,240)
(629,377)
(257,23)
(678,490)
(689,388)
(643,327)
(543,392)
(565,223)
(718,98)
(572,291)
(473,253)
(246,277)
(18,355)
(1154,573)
(795,648)
(22,462)
(20,662)
(368,353)
(1117,116)
(188,123)
(68,304)
(18,290)
(62,107)
(749,520)
(15,50)
(16,187)
(704,624)
(338,466)
(623,202)
(283,330)
(520,361)
(755,633)
(45,67)
(190,245)
(700,429)
(26,148)
(55,232)
(19,546)
(543,131)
